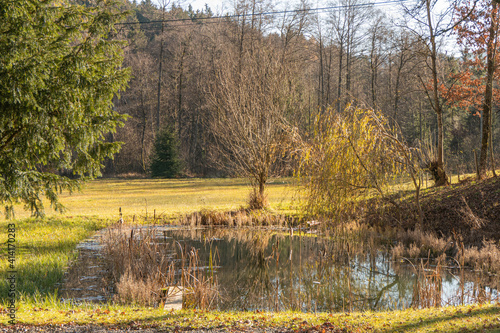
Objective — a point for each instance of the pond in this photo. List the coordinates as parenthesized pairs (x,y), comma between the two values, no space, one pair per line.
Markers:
(277,269)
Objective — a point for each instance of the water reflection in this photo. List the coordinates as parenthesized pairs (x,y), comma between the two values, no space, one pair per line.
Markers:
(271,270)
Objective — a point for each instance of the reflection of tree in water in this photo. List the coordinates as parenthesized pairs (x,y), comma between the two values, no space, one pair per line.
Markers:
(272,271)
(262,269)
(251,282)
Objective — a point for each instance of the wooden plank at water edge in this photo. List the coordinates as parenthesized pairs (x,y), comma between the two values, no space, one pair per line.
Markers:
(173,298)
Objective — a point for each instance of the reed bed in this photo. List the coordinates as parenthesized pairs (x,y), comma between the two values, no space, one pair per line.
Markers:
(416,244)
(427,289)
(238,218)
(144,266)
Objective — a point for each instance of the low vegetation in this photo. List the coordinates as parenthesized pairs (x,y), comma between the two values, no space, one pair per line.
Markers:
(44,250)
(42,261)
(476,318)
(131,252)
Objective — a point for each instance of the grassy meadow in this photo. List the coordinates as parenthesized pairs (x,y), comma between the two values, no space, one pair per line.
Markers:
(103,198)
(46,247)
(474,318)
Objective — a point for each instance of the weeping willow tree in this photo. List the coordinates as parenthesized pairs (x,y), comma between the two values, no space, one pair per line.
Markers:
(352,156)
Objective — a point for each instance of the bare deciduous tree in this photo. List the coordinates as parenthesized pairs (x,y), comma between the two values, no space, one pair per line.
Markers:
(250,100)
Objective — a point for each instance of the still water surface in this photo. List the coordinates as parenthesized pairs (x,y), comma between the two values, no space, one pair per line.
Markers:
(276,270)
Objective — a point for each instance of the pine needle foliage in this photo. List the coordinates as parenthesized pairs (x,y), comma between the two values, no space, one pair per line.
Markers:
(166,162)
(59,70)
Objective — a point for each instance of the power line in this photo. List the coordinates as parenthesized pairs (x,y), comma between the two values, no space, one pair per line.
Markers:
(313,10)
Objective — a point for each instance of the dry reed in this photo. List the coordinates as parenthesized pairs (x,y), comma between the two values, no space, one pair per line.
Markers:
(427,290)
(420,244)
(143,265)
(237,218)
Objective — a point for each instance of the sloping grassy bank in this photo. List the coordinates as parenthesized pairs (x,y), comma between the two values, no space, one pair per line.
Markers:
(469,210)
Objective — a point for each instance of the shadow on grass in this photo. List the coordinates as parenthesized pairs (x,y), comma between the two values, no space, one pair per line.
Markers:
(420,323)
(44,248)
(40,279)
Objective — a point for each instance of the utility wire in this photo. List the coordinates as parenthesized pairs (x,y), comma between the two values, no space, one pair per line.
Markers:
(313,10)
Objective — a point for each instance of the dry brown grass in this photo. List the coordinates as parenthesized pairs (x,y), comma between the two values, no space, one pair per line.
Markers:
(486,259)
(142,265)
(131,290)
(239,218)
(427,287)
(420,244)
(416,243)
(469,217)
(257,200)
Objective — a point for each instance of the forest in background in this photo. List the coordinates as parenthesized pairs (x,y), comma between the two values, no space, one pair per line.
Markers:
(191,68)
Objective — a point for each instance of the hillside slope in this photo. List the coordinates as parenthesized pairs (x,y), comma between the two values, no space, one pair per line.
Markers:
(470,209)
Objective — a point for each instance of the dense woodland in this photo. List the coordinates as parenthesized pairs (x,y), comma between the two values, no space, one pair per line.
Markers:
(262,72)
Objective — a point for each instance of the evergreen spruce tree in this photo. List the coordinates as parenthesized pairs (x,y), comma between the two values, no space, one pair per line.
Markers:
(59,71)
(165,162)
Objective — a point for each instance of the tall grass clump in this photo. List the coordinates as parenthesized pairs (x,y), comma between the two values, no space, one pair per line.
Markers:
(486,259)
(427,289)
(417,243)
(144,264)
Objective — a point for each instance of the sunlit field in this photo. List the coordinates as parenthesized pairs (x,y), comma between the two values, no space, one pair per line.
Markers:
(168,198)
(164,198)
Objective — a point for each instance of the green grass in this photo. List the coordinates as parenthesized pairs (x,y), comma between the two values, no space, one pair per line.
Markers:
(44,248)
(169,197)
(476,318)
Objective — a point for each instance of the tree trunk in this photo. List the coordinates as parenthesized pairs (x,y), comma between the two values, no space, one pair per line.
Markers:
(396,91)
(329,76)
(160,71)
(439,173)
(374,68)
(339,88)
(179,96)
(492,158)
(143,134)
(242,38)
(488,94)
(262,185)
(321,89)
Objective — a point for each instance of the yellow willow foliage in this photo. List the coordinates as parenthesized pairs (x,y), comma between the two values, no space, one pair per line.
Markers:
(350,156)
